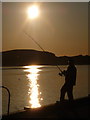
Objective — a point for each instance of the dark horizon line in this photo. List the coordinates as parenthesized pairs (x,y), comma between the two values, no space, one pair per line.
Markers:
(45,51)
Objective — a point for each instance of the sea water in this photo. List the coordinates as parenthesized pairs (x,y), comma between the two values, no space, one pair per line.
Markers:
(35,86)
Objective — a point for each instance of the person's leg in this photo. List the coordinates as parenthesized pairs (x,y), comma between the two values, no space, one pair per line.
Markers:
(70,93)
(63,91)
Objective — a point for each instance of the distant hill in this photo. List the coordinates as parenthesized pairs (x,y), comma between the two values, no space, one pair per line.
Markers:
(79,60)
(30,57)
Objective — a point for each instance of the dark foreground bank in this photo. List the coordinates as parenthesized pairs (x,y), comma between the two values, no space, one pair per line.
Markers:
(77,109)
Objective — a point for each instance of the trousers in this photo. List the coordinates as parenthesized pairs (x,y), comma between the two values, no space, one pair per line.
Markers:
(67,88)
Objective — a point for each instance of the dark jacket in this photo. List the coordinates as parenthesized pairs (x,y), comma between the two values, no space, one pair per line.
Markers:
(70,75)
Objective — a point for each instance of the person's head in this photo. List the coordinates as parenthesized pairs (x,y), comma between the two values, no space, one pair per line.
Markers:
(71,62)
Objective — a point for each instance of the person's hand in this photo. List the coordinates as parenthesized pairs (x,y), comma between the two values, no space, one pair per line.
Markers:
(60,74)
(64,72)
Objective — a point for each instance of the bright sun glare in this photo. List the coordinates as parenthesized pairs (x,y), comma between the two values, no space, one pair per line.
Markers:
(33,92)
(33,11)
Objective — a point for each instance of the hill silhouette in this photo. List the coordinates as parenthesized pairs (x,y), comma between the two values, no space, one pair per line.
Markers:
(33,57)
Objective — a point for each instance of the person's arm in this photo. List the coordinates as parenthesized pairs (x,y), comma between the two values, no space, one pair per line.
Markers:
(74,77)
(63,73)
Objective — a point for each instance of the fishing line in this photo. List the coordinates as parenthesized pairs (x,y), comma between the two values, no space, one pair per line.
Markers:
(39,46)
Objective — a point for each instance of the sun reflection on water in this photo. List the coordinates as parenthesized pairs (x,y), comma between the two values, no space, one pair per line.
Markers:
(34,94)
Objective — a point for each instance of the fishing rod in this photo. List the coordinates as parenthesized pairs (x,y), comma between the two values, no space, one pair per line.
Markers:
(34,41)
(39,46)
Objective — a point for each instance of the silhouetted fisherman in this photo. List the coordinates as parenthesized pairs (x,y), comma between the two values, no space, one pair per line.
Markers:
(70,81)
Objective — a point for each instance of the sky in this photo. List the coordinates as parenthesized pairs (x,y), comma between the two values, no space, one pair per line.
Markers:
(60,28)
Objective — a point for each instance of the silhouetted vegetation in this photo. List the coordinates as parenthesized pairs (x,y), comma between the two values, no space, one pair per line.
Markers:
(31,57)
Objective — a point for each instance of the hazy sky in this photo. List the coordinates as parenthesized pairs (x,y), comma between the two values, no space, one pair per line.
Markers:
(61,28)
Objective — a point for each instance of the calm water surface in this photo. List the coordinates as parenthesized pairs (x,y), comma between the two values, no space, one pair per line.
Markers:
(36,86)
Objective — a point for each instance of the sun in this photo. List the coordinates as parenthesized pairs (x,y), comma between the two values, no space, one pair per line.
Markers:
(33,11)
